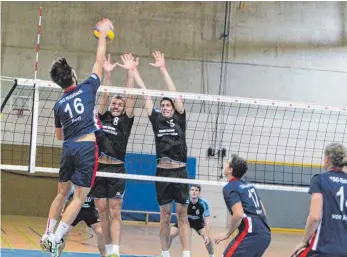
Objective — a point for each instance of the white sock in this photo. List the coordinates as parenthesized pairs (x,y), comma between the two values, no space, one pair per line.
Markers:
(50,225)
(115,249)
(165,253)
(109,248)
(62,229)
(186,253)
(211,255)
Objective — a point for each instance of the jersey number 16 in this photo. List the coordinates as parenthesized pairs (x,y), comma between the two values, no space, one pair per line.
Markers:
(78,106)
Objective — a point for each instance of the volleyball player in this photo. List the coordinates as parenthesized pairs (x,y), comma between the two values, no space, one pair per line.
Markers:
(117,120)
(76,124)
(198,217)
(89,215)
(248,214)
(326,227)
(169,127)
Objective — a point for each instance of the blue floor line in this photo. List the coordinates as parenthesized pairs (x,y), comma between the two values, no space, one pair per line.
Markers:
(6,252)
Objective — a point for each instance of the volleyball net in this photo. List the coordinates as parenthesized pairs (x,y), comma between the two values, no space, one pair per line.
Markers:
(283,142)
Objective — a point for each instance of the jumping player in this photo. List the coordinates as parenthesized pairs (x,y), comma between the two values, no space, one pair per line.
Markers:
(326,227)
(198,217)
(89,215)
(76,124)
(169,127)
(248,214)
(117,121)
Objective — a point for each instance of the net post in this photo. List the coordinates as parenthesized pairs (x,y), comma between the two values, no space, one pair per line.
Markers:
(9,95)
(34,123)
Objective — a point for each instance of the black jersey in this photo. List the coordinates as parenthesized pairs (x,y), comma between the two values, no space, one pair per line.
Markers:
(113,140)
(170,136)
(198,211)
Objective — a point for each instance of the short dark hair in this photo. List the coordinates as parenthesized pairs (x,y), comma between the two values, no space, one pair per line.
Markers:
(197,186)
(62,73)
(120,97)
(239,166)
(167,99)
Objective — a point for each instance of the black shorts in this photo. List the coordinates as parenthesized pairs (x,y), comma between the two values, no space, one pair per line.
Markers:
(89,216)
(109,187)
(167,191)
(197,226)
(79,162)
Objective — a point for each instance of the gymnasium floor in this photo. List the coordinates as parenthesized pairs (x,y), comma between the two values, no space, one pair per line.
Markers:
(20,237)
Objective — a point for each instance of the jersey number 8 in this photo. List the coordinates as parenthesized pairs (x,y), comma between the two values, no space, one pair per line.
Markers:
(78,106)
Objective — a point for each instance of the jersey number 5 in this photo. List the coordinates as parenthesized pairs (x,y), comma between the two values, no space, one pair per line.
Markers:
(78,106)
(341,195)
(252,194)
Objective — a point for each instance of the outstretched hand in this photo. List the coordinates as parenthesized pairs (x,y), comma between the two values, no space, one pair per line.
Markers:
(128,62)
(159,60)
(107,65)
(104,26)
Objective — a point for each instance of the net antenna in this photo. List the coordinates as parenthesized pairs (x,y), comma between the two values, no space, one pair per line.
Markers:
(35,106)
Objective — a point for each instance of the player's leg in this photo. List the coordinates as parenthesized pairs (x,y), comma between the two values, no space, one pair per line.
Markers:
(208,242)
(85,157)
(173,233)
(104,216)
(116,189)
(74,223)
(57,205)
(100,238)
(181,196)
(165,218)
(100,194)
(115,207)
(183,227)
(71,211)
(165,197)
(64,188)
(92,221)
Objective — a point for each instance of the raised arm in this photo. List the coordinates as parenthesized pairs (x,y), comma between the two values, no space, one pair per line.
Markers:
(160,63)
(104,26)
(108,68)
(139,82)
(128,63)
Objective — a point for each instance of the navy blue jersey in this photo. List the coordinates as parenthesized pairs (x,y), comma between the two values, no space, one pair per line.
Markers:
(331,235)
(238,190)
(198,211)
(170,136)
(88,203)
(116,131)
(74,111)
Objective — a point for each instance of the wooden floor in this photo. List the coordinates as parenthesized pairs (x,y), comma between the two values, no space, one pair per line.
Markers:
(19,232)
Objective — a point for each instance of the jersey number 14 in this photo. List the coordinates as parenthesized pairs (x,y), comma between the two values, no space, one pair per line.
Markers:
(341,195)
(78,106)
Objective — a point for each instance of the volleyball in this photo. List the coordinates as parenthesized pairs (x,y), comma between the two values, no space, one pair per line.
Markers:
(110,33)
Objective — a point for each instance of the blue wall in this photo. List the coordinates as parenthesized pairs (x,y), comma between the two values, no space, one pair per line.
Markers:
(141,195)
